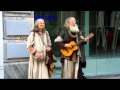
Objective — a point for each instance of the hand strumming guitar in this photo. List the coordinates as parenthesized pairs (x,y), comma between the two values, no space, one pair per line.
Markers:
(68,45)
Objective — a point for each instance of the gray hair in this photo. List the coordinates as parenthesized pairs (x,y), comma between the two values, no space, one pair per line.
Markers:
(66,24)
(35,29)
(37,21)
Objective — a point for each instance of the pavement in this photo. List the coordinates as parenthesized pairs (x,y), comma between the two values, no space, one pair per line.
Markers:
(113,76)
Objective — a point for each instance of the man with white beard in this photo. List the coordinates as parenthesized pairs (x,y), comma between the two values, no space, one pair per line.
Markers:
(71,66)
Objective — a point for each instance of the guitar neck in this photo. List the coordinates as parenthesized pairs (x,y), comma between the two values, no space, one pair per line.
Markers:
(89,36)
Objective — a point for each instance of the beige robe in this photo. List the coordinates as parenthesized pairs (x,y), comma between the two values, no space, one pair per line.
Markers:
(37,69)
(70,69)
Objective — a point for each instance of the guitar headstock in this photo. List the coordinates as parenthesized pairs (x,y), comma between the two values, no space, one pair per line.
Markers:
(90,35)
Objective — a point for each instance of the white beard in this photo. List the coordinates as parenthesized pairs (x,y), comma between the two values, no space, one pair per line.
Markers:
(74,29)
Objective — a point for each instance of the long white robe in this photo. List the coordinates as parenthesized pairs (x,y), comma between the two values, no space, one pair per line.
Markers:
(38,69)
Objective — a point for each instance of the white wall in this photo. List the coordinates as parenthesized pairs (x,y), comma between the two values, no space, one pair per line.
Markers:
(1,47)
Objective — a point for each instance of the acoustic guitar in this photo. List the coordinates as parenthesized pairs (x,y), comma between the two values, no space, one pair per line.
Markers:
(69,51)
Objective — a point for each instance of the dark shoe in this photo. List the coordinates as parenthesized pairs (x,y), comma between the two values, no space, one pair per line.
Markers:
(83,77)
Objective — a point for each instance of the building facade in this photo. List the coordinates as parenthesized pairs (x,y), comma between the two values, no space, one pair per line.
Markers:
(102,51)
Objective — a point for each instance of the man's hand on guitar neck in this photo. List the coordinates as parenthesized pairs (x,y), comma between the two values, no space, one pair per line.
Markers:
(88,37)
(85,39)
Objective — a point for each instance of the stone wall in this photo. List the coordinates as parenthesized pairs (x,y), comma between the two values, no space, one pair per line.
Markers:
(16,70)
(16,27)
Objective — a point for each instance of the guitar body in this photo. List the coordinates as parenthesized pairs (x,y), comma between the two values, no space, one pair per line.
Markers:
(69,51)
